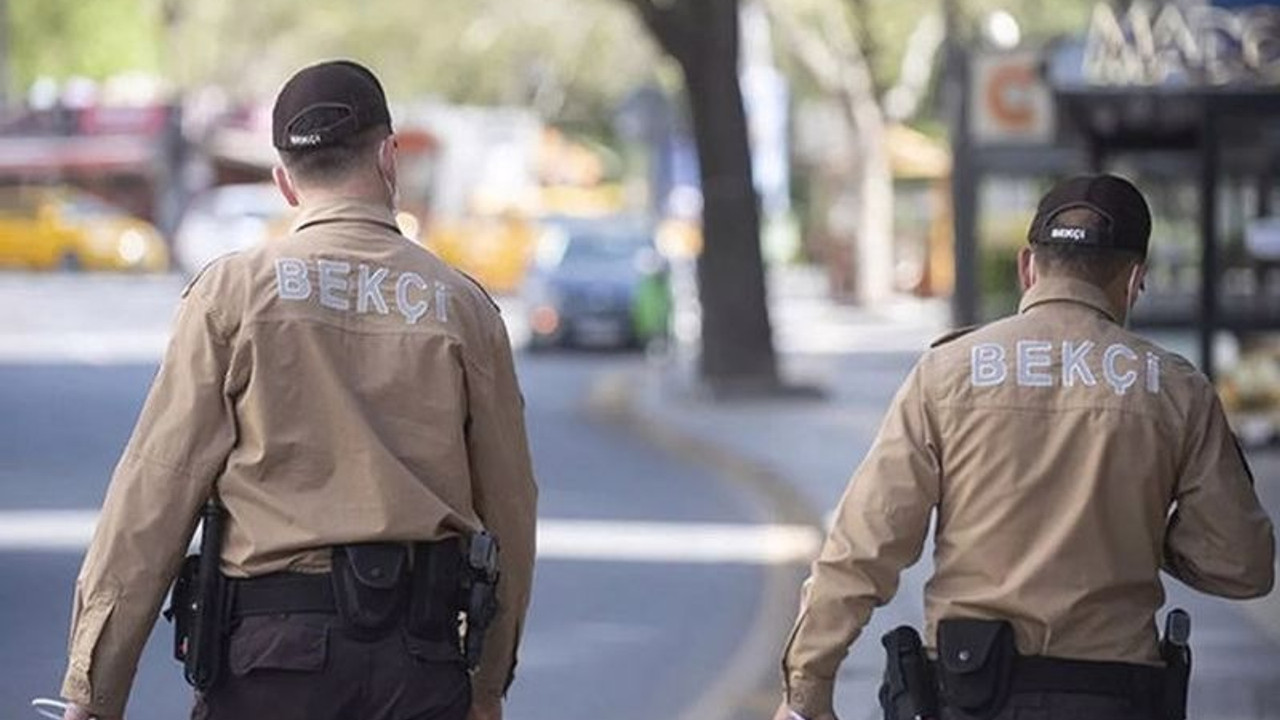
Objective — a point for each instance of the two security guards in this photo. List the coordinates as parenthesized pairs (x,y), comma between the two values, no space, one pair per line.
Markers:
(351,402)
(1066,461)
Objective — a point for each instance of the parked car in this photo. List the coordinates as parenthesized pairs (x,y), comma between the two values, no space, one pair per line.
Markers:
(48,228)
(228,218)
(596,283)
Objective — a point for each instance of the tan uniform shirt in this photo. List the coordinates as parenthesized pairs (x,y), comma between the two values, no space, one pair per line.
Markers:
(337,385)
(1052,446)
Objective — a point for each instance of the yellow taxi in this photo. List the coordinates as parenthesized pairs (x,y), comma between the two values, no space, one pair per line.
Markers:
(50,228)
(494,249)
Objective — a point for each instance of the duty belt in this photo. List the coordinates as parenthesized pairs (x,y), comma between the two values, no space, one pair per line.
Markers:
(1141,685)
(282,593)
(425,598)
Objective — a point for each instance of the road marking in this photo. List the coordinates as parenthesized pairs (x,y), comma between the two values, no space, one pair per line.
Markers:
(584,540)
(93,348)
(58,530)
(633,541)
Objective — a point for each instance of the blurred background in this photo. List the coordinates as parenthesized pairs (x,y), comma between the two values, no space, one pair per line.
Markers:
(721,231)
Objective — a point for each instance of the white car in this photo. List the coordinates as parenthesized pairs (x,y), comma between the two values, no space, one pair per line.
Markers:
(228,218)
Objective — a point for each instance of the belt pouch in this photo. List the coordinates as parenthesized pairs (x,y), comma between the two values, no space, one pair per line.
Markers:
(976,660)
(368,586)
(437,581)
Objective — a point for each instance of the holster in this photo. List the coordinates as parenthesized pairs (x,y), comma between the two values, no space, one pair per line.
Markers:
(909,691)
(976,661)
(198,607)
(479,596)
(369,587)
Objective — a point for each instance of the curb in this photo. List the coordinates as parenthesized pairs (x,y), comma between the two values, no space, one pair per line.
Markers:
(749,684)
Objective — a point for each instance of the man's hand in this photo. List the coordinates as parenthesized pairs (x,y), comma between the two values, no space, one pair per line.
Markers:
(784,713)
(485,710)
(75,712)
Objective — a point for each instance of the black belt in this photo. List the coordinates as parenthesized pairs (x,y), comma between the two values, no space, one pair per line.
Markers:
(1141,685)
(287,593)
(282,593)
(1038,673)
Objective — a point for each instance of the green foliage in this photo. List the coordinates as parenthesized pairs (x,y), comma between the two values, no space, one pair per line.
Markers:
(572,59)
(889,23)
(92,38)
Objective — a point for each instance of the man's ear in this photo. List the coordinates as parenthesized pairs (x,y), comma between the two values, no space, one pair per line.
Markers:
(1027,275)
(1137,282)
(284,183)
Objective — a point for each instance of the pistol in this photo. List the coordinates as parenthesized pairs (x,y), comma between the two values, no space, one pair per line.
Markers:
(1175,650)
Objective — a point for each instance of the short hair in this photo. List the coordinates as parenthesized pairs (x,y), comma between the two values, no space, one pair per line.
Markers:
(1098,266)
(330,162)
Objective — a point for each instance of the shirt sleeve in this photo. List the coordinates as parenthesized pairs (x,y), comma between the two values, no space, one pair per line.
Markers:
(178,448)
(506,498)
(879,529)
(1219,539)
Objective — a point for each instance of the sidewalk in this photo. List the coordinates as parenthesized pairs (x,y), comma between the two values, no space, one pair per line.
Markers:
(812,447)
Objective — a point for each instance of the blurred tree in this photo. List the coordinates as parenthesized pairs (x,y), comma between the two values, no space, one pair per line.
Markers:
(572,60)
(64,38)
(831,50)
(737,341)
(876,60)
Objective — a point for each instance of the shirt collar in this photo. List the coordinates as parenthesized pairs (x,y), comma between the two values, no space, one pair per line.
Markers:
(1049,290)
(345,211)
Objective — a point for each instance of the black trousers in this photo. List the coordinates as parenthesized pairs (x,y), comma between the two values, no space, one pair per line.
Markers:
(1066,706)
(306,667)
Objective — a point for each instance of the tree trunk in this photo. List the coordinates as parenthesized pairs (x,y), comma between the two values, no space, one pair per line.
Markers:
(737,342)
(841,69)
(875,269)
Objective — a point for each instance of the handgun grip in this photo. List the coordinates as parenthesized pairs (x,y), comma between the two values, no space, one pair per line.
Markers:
(1177,627)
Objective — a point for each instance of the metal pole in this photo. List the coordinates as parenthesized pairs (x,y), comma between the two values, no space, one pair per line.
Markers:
(1208,241)
(965,298)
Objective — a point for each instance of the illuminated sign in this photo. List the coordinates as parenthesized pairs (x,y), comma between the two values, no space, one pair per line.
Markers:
(1172,45)
(1010,100)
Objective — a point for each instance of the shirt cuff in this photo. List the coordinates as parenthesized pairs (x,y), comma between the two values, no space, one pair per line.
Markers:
(810,696)
(75,690)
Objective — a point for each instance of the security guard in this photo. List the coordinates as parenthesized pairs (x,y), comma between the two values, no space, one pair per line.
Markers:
(338,389)
(1068,461)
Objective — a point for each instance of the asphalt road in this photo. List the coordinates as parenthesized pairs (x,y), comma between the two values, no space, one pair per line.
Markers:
(610,634)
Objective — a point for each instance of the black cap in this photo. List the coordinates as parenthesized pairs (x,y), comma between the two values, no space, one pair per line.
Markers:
(327,103)
(1119,217)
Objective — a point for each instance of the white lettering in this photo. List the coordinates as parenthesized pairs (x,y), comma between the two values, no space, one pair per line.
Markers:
(291,279)
(369,290)
(442,302)
(1068,233)
(1153,373)
(987,366)
(1074,365)
(412,311)
(1034,354)
(1120,382)
(333,278)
